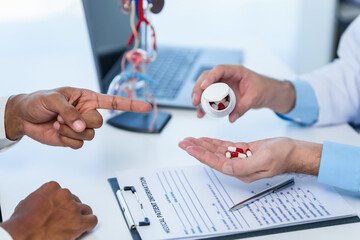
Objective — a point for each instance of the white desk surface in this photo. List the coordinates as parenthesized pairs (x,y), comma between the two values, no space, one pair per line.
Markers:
(85,172)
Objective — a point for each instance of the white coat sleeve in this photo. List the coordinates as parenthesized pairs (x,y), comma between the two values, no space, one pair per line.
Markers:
(4,142)
(337,85)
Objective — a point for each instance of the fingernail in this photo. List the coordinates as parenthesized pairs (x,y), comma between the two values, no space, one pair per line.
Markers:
(60,119)
(235,117)
(79,125)
(56,125)
(202,84)
(228,169)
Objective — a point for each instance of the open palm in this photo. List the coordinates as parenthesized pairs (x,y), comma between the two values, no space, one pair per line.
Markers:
(270,157)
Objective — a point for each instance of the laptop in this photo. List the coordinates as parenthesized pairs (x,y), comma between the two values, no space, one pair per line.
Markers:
(176,69)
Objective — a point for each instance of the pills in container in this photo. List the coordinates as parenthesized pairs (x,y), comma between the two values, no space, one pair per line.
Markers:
(218,100)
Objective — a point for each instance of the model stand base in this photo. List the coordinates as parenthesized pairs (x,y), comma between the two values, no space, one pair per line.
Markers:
(140,122)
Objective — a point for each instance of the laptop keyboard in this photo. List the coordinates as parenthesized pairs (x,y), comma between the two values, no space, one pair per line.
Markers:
(170,70)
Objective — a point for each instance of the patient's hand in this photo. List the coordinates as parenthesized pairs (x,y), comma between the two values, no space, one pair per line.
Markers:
(270,157)
(51,212)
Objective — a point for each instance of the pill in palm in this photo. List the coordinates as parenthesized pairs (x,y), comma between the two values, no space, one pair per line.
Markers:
(236,152)
(235,149)
(238,155)
(248,153)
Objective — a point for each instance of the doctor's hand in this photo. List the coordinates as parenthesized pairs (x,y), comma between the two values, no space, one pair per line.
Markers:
(252,90)
(62,117)
(270,157)
(51,212)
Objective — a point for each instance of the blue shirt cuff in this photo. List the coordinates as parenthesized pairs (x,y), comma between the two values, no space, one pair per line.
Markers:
(340,166)
(306,109)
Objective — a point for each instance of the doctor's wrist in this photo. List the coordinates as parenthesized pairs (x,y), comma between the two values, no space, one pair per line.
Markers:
(305,158)
(14,128)
(282,96)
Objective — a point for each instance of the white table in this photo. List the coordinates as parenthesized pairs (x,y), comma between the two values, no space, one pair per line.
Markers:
(29,164)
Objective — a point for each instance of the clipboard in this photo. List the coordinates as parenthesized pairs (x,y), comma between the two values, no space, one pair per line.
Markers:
(136,236)
(116,188)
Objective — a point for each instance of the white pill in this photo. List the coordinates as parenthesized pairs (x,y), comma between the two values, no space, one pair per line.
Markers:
(248,153)
(235,149)
(214,106)
(228,155)
(232,149)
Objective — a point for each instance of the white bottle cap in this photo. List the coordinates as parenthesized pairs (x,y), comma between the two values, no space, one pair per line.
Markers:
(215,93)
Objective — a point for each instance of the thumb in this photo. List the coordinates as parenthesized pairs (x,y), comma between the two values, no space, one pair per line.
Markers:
(243,105)
(57,103)
(241,168)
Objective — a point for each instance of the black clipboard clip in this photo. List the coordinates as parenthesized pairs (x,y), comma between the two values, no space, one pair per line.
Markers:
(124,207)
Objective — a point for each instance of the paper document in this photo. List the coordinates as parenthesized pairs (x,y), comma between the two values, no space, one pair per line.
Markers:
(193,202)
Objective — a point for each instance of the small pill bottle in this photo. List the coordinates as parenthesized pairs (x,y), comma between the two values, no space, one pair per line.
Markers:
(218,100)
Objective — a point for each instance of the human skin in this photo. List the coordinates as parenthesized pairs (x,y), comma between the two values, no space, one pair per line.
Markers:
(50,212)
(59,117)
(62,117)
(252,90)
(270,157)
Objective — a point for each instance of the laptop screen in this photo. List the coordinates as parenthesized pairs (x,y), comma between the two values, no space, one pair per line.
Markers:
(109,30)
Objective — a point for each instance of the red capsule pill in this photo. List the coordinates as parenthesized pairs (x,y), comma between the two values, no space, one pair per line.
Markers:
(221,106)
(235,149)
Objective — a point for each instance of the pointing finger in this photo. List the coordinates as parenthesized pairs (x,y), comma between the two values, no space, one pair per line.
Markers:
(119,103)
(86,100)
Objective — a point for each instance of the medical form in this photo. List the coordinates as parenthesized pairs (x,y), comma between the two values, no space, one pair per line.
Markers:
(194,202)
